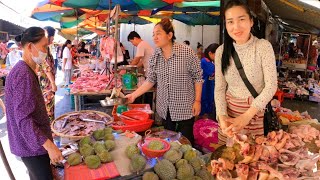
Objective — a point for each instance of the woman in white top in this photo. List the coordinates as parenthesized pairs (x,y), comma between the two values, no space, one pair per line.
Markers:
(13,56)
(67,62)
(236,109)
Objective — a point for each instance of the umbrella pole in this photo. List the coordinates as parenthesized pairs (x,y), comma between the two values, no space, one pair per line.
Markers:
(5,162)
(116,34)
(202,35)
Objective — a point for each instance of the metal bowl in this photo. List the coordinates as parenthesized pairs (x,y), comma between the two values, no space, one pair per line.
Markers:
(111,102)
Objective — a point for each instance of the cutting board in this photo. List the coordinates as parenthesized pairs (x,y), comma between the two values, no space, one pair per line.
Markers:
(82,172)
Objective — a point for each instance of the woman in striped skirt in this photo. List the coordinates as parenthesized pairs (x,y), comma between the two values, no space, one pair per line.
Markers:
(237,110)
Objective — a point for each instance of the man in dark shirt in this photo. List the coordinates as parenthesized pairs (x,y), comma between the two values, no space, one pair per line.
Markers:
(83,50)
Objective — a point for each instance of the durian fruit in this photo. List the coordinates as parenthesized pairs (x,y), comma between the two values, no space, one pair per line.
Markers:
(138,163)
(193,178)
(155,145)
(173,155)
(98,134)
(92,161)
(99,147)
(108,130)
(85,140)
(189,154)
(175,145)
(185,171)
(105,156)
(205,174)
(86,150)
(150,176)
(108,137)
(181,162)
(185,147)
(74,159)
(109,144)
(132,150)
(165,170)
(197,163)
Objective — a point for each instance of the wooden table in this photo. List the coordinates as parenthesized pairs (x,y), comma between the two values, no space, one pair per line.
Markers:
(78,95)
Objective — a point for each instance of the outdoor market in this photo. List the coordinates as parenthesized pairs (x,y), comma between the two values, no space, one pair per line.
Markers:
(160,89)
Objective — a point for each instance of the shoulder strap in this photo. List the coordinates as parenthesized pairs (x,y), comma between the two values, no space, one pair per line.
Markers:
(243,74)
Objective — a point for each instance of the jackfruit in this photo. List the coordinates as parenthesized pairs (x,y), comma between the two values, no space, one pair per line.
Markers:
(86,150)
(92,161)
(108,130)
(98,134)
(105,156)
(173,155)
(132,150)
(85,140)
(108,137)
(185,171)
(138,163)
(99,147)
(181,162)
(74,159)
(185,147)
(189,154)
(150,176)
(205,174)
(155,145)
(165,170)
(197,163)
(110,145)
(175,145)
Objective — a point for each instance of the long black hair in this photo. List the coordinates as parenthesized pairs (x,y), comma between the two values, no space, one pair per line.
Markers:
(228,48)
(211,48)
(64,45)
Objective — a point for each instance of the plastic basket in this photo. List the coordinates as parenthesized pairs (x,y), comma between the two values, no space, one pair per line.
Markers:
(141,107)
(140,127)
(154,153)
(136,114)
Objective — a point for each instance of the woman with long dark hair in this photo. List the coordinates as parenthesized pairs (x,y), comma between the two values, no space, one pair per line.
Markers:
(237,110)
(27,120)
(207,65)
(67,61)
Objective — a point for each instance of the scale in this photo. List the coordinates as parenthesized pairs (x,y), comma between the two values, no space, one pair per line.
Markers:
(129,79)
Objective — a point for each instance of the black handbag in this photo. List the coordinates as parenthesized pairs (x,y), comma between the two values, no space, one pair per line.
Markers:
(270,120)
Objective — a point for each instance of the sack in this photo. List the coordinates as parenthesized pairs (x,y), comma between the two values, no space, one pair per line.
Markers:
(205,132)
(270,120)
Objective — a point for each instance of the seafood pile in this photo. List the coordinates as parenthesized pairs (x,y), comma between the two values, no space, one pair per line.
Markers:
(81,123)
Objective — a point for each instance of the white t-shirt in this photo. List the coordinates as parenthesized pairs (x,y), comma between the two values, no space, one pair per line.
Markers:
(67,54)
(145,51)
(13,57)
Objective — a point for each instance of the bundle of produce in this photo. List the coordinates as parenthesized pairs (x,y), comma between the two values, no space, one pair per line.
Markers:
(286,115)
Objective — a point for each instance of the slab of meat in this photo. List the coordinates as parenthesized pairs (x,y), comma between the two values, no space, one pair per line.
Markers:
(224,175)
(272,172)
(290,174)
(288,157)
(242,171)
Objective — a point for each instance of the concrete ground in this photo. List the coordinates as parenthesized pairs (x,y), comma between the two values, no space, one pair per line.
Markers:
(63,105)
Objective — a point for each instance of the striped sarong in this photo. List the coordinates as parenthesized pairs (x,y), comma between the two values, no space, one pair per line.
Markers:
(238,106)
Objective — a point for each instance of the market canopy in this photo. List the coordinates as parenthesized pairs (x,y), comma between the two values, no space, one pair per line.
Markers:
(297,15)
(71,13)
